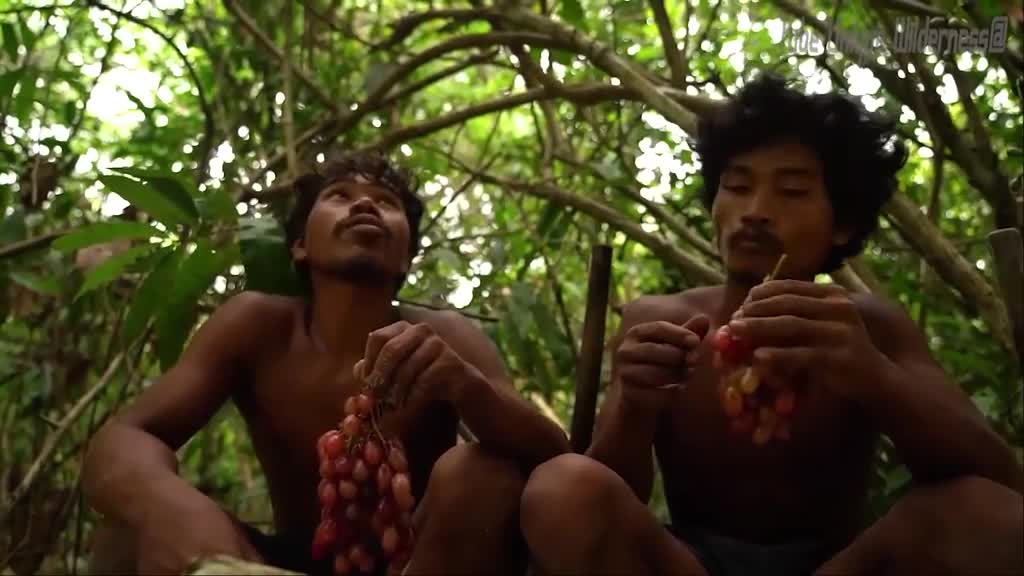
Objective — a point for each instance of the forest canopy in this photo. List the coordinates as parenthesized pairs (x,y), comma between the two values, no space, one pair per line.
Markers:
(147,147)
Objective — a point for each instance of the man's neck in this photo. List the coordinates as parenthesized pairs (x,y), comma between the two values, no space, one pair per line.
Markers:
(343,315)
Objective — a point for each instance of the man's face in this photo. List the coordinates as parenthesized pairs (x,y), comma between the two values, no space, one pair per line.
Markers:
(773,200)
(356,230)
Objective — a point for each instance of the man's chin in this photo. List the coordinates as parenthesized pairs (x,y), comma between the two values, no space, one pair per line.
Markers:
(362,269)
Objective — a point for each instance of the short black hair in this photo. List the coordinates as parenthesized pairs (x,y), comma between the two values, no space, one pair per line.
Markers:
(373,166)
(859,152)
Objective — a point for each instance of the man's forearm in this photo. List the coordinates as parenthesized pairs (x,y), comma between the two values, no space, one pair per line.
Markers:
(126,469)
(502,420)
(938,431)
(624,442)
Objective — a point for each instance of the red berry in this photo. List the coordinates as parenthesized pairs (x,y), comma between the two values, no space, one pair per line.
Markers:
(372,453)
(350,406)
(341,565)
(347,490)
(733,350)
(364,405)
(352,512)
(366,566)
(386,510)
(351,426)
(732,401)
(343,467)
(389,541)
(384,479)
(328,494)
(360,473)
(327,471)
(334,445)
(397,460)
(356,554)
(402,491)
(320,444)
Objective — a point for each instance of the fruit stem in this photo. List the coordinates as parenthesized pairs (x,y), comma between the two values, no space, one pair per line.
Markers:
(778,268)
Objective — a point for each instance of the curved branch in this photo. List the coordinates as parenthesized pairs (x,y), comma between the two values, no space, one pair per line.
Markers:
(602,56)
(208,127)
(668,42)
(950,265)
(250,25)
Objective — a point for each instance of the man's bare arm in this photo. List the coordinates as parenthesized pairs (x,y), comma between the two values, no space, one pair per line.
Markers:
(626,425)
(930,420)
(131,461)
(499,417)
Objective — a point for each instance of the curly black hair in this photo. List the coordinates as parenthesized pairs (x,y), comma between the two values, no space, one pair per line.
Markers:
(859,152)
(373,166)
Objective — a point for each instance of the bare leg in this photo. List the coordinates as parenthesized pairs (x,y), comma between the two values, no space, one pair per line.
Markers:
(468,522)
(965,526)
(580,517)
(115,547)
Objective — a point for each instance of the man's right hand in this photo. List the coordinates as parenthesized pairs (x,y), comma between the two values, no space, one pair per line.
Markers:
(654,356)
(172,537)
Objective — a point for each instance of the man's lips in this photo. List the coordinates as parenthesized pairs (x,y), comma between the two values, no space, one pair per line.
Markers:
(756,241)
(362,221)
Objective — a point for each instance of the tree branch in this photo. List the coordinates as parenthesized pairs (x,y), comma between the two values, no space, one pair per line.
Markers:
(602,56)
(668,42)
(947,262)
(206,147)
(250,25)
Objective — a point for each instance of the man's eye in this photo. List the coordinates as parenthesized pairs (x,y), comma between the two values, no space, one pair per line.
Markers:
(794,192)
(736,188)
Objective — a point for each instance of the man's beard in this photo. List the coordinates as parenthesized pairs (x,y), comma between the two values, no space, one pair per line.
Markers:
(363,270)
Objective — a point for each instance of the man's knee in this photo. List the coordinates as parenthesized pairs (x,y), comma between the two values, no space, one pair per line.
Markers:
(970,496)
(113,549)
(470,475)
(569,488)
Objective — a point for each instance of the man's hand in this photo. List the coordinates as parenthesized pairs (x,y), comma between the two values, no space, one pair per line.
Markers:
(414,364)
(655,356)
(170,541)
(801,328)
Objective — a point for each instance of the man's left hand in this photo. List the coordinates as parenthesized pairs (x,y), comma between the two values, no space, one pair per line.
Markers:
(802,328)
(414,364)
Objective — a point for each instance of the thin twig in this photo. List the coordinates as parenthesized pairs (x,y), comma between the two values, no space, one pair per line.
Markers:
(50,444)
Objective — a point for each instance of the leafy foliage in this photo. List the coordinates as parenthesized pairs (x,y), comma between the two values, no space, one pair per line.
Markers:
(150,137)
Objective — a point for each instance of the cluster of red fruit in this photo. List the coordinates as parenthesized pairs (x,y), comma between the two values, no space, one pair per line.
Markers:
(365,494)
(753,408)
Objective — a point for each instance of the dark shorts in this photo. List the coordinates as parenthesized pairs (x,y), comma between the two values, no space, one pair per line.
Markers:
(293,554)
(723,556)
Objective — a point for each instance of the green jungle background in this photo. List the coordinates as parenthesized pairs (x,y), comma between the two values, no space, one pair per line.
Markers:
(145,144)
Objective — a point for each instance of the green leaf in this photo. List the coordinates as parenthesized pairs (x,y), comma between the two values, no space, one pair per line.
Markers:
(217,205)
(12,228)
(22,106)
(148,200)
(47,286)
(177,318)
(111,269)
(268,267)
(10,41)
(8,80)
(70,111)
(104,232)
(168,184)
(572,13)
(150,294)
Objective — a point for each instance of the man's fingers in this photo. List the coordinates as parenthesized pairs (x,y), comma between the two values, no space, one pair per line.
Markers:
(393,353)
(799,287)
(652,353)
(784,364)
(790,305)
(650,376)
(414,366)
(699,325)
(784,331)
(665,333)
(376,341)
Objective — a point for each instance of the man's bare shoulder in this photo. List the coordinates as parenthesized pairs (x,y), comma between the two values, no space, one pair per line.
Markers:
(252,315)
(677,308)
(447,323)
(889,325)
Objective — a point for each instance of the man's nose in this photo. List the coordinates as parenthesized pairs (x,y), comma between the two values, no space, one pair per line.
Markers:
(760,209)
(364,204)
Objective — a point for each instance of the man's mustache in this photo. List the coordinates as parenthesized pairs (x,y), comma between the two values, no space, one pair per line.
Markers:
(762,237)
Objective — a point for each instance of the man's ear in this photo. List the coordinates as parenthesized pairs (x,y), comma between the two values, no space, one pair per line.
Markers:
(298,250)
